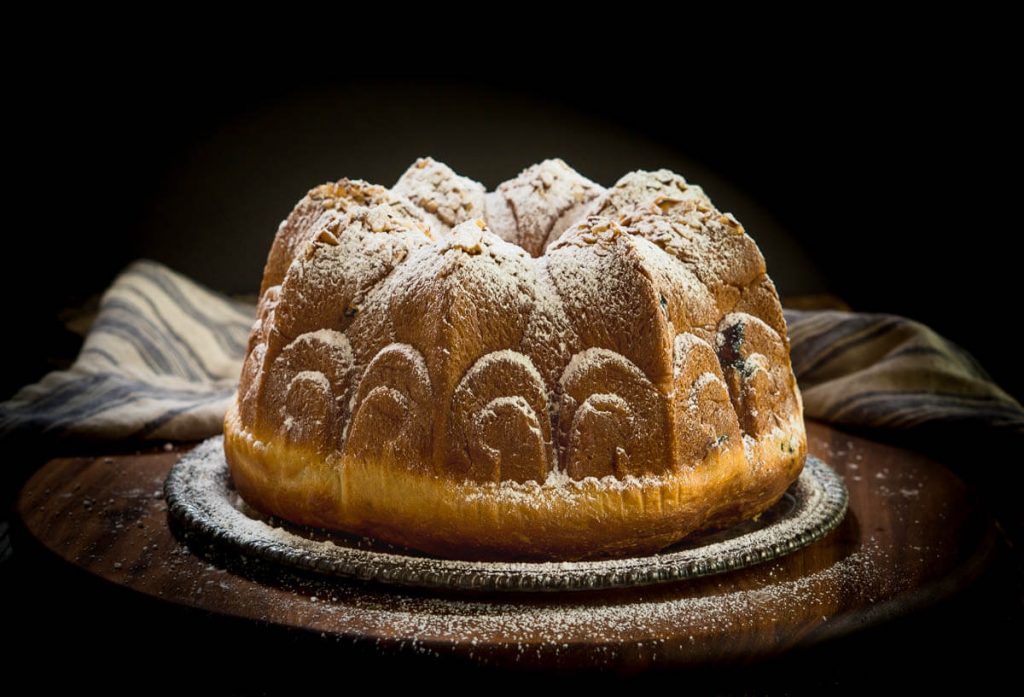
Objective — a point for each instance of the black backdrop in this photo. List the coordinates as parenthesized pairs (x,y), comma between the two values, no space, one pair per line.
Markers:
(878,169)
(883,184)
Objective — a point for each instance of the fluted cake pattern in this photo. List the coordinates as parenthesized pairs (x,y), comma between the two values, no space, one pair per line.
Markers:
(549,336)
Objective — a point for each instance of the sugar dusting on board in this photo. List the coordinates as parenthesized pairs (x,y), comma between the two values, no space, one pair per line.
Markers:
(538,626)
(461,620)
(855,572)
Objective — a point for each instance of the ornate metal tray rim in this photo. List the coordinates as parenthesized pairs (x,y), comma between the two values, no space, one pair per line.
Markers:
(200,496)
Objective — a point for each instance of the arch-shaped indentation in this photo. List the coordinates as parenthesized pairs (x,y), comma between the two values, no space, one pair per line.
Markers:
(505,442)
(756,366)
(704,415)
(392,413)
(310,410)
(326,353)
(327,350)
(598,434)
(624,427)
(499,427)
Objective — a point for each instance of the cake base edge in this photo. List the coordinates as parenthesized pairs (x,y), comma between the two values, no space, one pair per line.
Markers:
(552,521)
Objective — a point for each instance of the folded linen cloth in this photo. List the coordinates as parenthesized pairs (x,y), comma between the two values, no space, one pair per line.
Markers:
(161,361)
(163,357)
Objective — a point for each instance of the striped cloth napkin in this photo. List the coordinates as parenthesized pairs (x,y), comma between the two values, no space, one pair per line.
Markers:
(163,356)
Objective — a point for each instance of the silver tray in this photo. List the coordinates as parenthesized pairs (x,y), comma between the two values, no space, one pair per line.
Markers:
(201,497)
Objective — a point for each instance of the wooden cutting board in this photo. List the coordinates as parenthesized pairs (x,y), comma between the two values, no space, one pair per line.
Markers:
(913,535)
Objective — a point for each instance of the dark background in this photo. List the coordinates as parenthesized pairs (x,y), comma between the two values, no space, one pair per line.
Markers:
(883,183)
(876,169)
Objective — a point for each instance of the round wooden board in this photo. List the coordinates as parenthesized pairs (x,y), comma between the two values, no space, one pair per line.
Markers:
(913,534)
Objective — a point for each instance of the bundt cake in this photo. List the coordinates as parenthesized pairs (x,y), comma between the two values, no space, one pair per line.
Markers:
(548,371)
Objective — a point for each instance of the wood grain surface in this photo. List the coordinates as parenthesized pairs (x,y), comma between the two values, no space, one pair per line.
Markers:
(913,535)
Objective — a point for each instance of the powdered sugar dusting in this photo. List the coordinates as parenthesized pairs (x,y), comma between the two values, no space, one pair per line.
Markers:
(487,361)
(639,188)
(314,376)
(464,620)
(704,379)
(441,193)
(331,338)
(542,202)
(516,402)
(749,446)
(657,253)
(412,356)
(593,358)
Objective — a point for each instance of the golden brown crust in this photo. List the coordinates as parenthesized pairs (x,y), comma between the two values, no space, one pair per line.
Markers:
(322,206)
(535,208)
(558,520)
(445,198)
(445,390)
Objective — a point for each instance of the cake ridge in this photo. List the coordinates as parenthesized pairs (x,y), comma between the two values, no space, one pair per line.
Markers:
(468,237)
(549,333)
